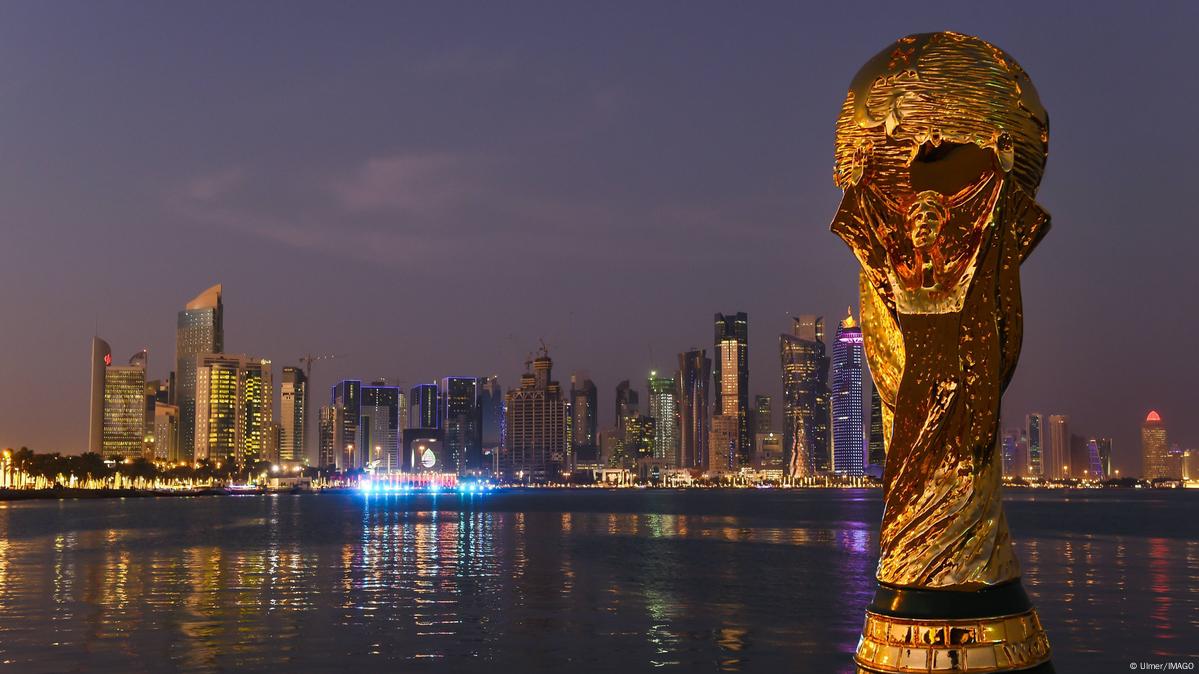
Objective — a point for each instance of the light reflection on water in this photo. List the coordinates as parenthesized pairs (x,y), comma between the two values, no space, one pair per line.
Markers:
(544,580)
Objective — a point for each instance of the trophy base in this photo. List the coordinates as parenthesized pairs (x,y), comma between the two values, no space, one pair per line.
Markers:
(917,630)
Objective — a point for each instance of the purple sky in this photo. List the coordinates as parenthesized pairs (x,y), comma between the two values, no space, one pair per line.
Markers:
(429,189)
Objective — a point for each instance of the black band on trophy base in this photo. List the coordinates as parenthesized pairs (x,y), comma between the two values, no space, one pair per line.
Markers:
(922,604)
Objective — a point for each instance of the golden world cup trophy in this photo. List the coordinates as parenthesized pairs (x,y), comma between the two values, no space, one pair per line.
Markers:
(940,147)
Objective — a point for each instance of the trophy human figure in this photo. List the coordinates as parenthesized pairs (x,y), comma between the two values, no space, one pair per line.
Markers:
(940,147)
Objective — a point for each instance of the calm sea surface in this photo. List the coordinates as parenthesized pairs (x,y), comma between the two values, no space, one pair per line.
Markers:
(549,581)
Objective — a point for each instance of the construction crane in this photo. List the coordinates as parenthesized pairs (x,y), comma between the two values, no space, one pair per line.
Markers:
(309,359)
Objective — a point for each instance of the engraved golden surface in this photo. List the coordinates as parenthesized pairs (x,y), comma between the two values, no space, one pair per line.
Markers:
(997,644)
(940,147)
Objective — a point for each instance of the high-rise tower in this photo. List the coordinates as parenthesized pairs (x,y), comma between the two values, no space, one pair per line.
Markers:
(806,398)
(732,378)
(461,423)
(663,409)
(848,431)
(1155,447)
(536,447)
(1034,424)
(293,397)
(200,329)
(584,410)
(695,420)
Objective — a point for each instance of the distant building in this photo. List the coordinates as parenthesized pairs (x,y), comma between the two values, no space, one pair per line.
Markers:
(200,330)
(347,397)
(848,429)
(806,398)
(1056,462)
(293,400)
(1104,446)
(1035,426)
(379,425)
(327,436)
(732,378)
(424,412)
(122,396)
(234,406)
(584,411)
(694,374)
(461,423)
(768,452)
(101,359)
(1094,461)
(425,452)
(640,437)
(626,401)
(876,452)
(722,444)
(166,432)
(491,406)
(1154,448)
(663,409)
(536,444)
(1009,448)
(763,415)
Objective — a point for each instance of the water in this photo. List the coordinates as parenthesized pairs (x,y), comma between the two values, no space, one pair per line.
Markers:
(548,581)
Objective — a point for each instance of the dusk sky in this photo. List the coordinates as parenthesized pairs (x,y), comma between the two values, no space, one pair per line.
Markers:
(430,188)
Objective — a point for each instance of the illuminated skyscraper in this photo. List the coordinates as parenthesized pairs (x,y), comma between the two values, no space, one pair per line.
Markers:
(763,414)
(806,441)
(234,406)
(692,380)
(1104,447)
(1009,449)
(491,405)
(166,432)
(536,445)
(326,434)
(722,444)
(379,425)
(200,330)
(1035,425)
(423,401)
(1056,461)
(848,432)
(663,409)
(1155,447)
(627,402)
(119,391)
(293,399)
(876,453)
(347,396)
(461,422)
(584,410)
(732,378)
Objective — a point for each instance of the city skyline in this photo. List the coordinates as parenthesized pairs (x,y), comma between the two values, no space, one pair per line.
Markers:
(154,191)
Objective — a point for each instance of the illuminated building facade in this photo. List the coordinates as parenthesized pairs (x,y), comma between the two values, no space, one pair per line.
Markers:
(101,359)
(1034,425)
(347,397)
(425,452)
(293,412)
(732,378)
(722,444)
(627,401)
(462,425)
(663,409)
(234,407)
(692,381)
(166,432)
(379,426)
(584,413)
(768,452)
(806,398)
(1056,459)
(1104,448)
(326,434)
(763,415)
(124,415)
(200,329)
(640,437)
(491,413)
(1155,448)
(876,453)
(848,430)
(536,447)
(423,400)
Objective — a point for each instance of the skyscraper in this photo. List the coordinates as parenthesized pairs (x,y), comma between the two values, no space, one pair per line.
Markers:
(1056,461)
(460,419)
(763,414)
(491,406)
(806,398)
(536,445)
(1035,425)
(1008,453)
(876,453)
(326,434)
(166,432)
(722,444)
(627,402)
(234,407)
(347,396)
(101,359)
(423,401)
(584,410)
(848,431)
(732,378)
(1155,447)
(200,330)
(121,393)
(1104,446)
(695,371)
(379,425)
(293,398)
(663,409)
